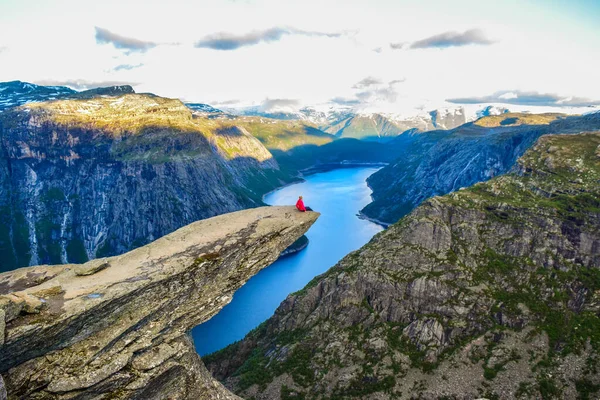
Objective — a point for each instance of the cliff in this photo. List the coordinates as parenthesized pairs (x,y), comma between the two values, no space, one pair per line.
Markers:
(492,291)
(440,162)
(118,327)
(101,174)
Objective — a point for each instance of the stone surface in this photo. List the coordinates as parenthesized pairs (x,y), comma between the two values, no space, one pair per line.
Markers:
(3,395)
(489,292)
(122,332)
(2,325)
(91,267)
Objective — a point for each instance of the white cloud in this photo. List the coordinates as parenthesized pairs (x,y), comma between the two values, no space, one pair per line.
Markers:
(308,68)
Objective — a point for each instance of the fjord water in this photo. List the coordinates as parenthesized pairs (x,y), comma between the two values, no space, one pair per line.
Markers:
(338,195)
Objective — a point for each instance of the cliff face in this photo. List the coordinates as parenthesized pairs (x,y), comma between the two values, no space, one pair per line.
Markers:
(93,177)
(491,291)
(118,326)
(440,162)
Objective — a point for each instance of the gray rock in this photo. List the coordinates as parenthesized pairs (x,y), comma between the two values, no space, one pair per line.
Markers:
(2,326)
(3,395)
(124,333)
(91,267)
(97,177)
(491,291)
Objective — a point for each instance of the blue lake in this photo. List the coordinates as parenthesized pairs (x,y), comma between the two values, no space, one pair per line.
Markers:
(338,195)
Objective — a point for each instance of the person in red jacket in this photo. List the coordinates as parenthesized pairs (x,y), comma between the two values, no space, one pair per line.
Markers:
(300,205)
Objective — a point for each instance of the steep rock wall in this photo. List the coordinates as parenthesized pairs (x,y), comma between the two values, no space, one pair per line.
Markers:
(118,326)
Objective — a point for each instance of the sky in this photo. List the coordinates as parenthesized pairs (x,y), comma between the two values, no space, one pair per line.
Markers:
(387,55)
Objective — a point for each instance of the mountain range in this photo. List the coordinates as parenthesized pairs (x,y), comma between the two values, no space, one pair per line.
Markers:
(489,292)
(484,285)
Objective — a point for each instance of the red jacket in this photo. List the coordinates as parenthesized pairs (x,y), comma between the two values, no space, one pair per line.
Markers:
(300,205)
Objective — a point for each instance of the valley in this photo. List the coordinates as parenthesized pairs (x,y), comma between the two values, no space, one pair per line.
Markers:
(337,195)
(487,269)
(491,291)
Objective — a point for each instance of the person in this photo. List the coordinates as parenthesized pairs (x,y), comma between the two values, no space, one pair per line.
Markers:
(300,205)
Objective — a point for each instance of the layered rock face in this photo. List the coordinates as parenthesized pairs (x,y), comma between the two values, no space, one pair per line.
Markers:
(118,327)
(95,177)
(439,162)
(491,291)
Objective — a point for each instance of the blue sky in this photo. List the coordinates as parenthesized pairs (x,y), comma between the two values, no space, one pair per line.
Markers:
(383,55)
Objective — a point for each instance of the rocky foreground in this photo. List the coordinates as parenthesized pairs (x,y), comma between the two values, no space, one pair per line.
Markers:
(118,327)
(492,291)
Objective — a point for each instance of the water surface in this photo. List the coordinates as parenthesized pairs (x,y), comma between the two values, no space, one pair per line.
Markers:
(338,195)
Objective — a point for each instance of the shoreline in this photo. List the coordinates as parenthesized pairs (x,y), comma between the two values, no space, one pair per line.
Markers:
(362,215)
(315,169)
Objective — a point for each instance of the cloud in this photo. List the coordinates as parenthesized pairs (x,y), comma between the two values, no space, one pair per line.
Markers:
(278,105)
(528,99)
(104,36)
(127,67)
(398,46)
(366,82)
(345,102)
(230,41)
(226,102)
(396,81)
(372,90)
(80,84)
(453,39)
(386,94)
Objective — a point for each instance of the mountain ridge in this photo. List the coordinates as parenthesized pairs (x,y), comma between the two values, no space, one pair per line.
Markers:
(439,162)
(491,291)
(82,178)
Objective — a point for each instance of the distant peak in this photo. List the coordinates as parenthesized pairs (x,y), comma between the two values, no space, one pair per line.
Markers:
(107,91)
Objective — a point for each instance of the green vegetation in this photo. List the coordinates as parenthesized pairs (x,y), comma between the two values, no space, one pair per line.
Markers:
(517,119)
(490,271)
(586,389)
(283,135)
(255,371)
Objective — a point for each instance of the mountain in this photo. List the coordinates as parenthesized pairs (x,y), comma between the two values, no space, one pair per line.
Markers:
(344,122)
(99,175)
(298,146)
(16,93)
(440,162)
(204,109)
(98,172)
(489,292)
(118,327)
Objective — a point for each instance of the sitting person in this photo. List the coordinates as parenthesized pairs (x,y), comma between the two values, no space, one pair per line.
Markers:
(300,205)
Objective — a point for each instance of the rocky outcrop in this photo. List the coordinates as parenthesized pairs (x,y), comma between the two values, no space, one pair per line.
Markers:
(118,327)
(491,291)
(440,162)
(97,176)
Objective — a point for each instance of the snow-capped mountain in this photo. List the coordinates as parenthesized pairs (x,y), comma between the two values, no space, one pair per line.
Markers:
(16,93)
(202,108)
(346,122)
